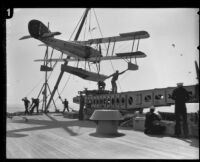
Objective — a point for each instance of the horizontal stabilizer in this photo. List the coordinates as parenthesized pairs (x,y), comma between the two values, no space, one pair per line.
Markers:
(87,75)
(137,54)
(25,37)
(51,34)
(42,45)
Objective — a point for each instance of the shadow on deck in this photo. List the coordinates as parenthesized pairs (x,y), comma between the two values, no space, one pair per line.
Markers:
(48,124)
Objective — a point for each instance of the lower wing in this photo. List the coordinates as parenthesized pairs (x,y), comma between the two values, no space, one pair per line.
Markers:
(126,55)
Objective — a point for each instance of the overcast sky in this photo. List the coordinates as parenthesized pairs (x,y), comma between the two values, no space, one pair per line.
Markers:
(164,66)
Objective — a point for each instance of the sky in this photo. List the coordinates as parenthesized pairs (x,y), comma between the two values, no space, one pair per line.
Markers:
(164,66)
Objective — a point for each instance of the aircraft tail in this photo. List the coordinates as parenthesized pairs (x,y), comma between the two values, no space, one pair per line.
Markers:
(38,30)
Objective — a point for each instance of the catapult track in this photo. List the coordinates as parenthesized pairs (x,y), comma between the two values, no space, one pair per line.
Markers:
(137,99)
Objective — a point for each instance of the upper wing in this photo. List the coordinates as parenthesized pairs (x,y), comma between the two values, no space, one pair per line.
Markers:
(121,37)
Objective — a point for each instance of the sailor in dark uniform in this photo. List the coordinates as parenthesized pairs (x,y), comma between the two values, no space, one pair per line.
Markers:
(66,104)
(26,104)
(35,103)
(152,123)
(180,95)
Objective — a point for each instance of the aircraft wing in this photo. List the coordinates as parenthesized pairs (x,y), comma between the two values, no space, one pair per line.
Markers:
(121,37)
(126,55)
(58,60)
(87,75)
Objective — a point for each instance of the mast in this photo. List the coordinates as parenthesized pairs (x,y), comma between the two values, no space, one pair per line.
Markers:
(66,62)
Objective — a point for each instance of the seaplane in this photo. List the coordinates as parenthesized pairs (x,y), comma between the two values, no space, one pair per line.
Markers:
(84,51)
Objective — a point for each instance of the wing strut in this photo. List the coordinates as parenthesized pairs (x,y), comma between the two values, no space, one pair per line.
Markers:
(113,48)
(108,48)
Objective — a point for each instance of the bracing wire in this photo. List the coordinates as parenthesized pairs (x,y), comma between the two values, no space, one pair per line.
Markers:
(34,87)
(64,86)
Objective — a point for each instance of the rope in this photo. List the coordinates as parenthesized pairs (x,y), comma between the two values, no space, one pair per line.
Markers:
(63,87)
(34,87)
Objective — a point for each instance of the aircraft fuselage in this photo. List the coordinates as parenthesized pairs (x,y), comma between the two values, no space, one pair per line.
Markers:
(70,48)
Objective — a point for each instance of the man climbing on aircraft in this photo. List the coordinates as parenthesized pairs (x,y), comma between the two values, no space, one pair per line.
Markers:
(114,79)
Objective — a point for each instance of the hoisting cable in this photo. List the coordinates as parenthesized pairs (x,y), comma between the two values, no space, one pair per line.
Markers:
(105,45)
(53,68)
(89,28)
(34,87)
(76,27)
(63,87)
(85,29)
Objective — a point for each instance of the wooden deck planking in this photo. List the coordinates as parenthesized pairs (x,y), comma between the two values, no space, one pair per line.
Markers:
(56,137)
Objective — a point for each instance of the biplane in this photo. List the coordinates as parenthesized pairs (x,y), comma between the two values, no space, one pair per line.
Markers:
(83,50)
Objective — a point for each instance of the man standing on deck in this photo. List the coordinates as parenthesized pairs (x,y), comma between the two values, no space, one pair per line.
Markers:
(180,95)
(65,103)
(81,107)
(35,103)
(26,104)
(114,79)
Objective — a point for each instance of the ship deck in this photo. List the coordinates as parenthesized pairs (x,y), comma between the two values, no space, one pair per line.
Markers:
(53,136)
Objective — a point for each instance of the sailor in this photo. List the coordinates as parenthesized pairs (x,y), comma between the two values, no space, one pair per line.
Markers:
(26,104)
(101,85)
(152,123)
(35,103)
(65,103)
(81,107)
(114,79)
(180,95)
